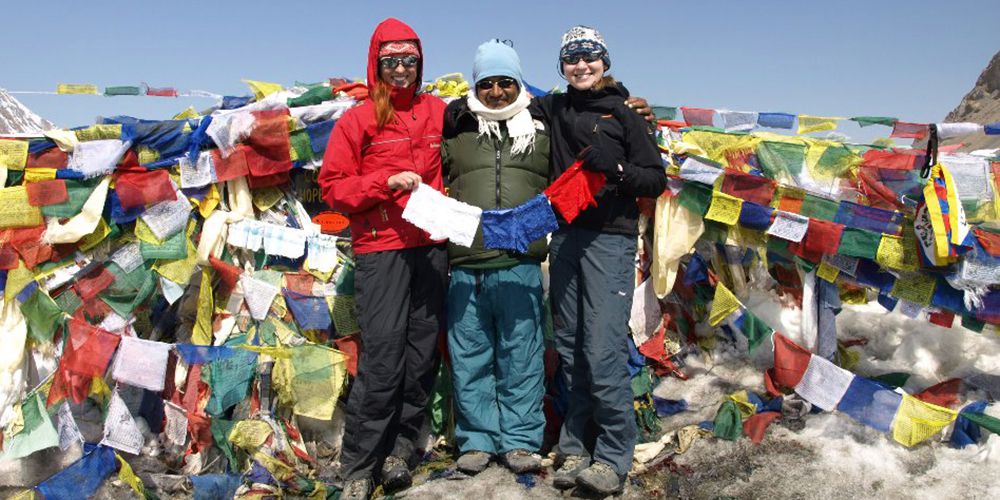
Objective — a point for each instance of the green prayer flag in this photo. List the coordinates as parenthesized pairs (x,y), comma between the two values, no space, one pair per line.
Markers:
(68,301)
(442,420)
(312,96)
(973,324)
(983,420)
(220,434)
(836,161)
(893,379)
(42,316)
(728,424)
(715,231)
(778,159)
(229,380)
(14,178)
(121,90)
(300,142)
(665,112)
(755,330)
(696,197)
(129,290)
(344,279)
(38,432)
(173,248)
(864,121)
(642,384)
(78,192)
(344,320)
(819,208)
(859,243)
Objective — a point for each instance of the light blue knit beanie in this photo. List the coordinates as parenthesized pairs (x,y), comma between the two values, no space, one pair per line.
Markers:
(496,58)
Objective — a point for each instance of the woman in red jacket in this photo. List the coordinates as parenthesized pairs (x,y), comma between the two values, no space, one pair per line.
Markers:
(379,151)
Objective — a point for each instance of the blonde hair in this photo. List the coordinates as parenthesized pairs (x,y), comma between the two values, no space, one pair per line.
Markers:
(605,81)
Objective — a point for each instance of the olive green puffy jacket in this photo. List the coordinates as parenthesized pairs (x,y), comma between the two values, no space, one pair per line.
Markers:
(482,173)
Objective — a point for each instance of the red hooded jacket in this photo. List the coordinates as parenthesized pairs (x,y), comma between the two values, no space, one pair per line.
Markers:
(361,157)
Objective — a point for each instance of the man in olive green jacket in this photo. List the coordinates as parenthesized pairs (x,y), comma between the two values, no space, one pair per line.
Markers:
(495,155)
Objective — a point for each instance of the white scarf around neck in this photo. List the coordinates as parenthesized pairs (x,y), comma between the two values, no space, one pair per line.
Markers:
(519,123)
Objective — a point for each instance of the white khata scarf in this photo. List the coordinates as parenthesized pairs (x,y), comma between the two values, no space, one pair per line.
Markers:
(519,124)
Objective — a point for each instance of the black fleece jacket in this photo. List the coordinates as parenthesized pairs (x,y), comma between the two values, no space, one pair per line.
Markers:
(578,119)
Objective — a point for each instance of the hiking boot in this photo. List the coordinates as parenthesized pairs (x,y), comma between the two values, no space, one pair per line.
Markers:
(572,466)
(356,489)
(520,461)
(600,478)
(473,462)
(395,474)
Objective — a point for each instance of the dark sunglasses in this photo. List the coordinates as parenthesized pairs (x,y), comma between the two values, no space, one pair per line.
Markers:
(587,57)
(390,62)
(504,83)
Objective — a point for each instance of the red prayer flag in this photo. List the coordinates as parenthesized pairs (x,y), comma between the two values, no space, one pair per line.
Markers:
(161,91)
(301,283)
(8,258)
(907,130)
(893,160)
(228,274)
(942,318)
(823,237)
(141,187)
(276,179)
(951,148)
(269,147)
(755,426)
(574,191)
(44,193)
(989,241)
(672,124)
(698,116)
(349,346)
(86,355)
(942,394)
(790,363)
(50,158)
(28,243)
(755,188)
(358,91)
(233,166)
(94,283)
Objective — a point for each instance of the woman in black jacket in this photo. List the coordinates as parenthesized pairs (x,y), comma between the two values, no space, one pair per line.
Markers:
(592,260)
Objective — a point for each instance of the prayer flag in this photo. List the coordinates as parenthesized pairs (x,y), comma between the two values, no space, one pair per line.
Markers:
(76,88)
(907,130)
(698,116)
(916,421)
(310,380)
(776,120)
(790,364)
(262,89)
(83,477)
(864,121)
(809,124)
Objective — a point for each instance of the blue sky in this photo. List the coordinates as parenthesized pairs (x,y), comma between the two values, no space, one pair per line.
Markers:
(914,60)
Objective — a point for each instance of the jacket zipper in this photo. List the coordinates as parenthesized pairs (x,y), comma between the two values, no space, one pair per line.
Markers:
(496,144)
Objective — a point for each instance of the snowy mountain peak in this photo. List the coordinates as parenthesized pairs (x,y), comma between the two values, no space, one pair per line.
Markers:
(16,118)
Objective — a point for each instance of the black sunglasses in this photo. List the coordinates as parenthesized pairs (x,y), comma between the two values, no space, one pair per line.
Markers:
(390,62)
(504,83)
(587,58)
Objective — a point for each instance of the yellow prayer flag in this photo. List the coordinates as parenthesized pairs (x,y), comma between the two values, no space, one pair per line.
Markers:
(809,123)
(91,240)
(13,154)
(99,132)
(742,400)
(723,304)
(250,434)
(39,174)
(265,198)
(190,112)
(99,389)
(262,89)
(724,208)
(827,272)
(23,495)
(179,271)
(148,155)
(896,252)
(144,233)
(201,333)
(914,287)
(310,380)
(916,421)
(16,210)
(77,88)
(127,476)
(208,204)
(17,279)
